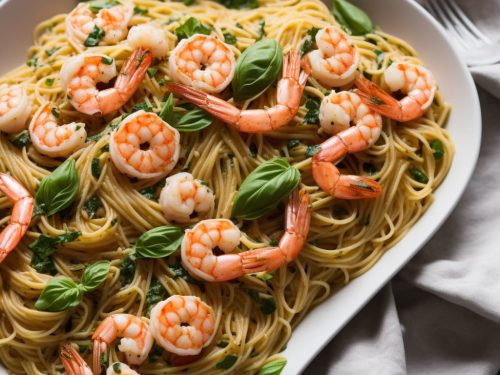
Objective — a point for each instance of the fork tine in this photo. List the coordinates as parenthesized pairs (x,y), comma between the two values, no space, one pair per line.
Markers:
(461,28)
(438,13)
(467,22)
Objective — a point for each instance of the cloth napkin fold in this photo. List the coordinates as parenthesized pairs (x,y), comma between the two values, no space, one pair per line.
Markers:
(441,314)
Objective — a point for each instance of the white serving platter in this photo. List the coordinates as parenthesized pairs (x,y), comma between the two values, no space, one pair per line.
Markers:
(404,18)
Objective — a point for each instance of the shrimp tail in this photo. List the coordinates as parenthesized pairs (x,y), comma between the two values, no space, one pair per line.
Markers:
(72,361)
(21,214)
(126,84)
(297,222)
(99,354)
(218,108)
(382,102)
(329,179)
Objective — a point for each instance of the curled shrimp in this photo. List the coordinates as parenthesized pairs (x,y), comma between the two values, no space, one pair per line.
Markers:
(136,339)
(113,20)
(81,74)
(144,146)
(203,62)
(55,140)
(289,93)
(198,245)
(15,108)
(184,199)
(335,61)
(21,214)
(183,325)
(337,111)
(415,81)
(73,363)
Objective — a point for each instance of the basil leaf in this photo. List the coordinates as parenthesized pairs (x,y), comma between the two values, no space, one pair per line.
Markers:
(155,294)
(264,188)
(437,149)
(94,37)
(94,275)
(309,41)
(60,293)
(273,368)
(58,190)
(190,27)
(355,18)
(159,242)
(256,69)
(193,121)
(240,4)
(227,362)
(167,112)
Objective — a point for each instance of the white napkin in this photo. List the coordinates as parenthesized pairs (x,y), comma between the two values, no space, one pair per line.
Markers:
(441,315)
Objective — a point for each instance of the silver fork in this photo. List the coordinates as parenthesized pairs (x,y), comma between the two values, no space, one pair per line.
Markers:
(474,47)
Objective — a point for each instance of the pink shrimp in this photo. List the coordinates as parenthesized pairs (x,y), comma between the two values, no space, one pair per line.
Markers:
(15,108)
(337,111)
(413,80)
(290,89)
(198,244)
(51,139)
(136,342)
(183,325)
(72,361)
(21,214)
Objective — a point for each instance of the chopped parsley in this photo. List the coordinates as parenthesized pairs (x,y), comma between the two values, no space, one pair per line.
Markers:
(107,60)
(55,112)
(152,72)
(141,11)
(22,139)
(292,143)
(155,294)
(230,39)
(227,362)
(127,269)
(312,150)
(437,149)
(181,273)
(142,105)
(97,5)
(94,37)
(309,41)
(419,175)
(44,247)
(262,31)
(92,205)
(95,168)
(49,82)
(240,4)
(32,62)
(312,115)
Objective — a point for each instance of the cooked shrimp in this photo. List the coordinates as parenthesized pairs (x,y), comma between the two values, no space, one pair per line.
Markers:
(55,140)
(203,62)
(337,112)
(198,245)
(184,199)
(81,74)
(15,108)
(289,93)
(113,18)
(415,81)
(144,146)
(72,361)
(21,214)
(183,325)
(136,339)
(335,61)
(149,36)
